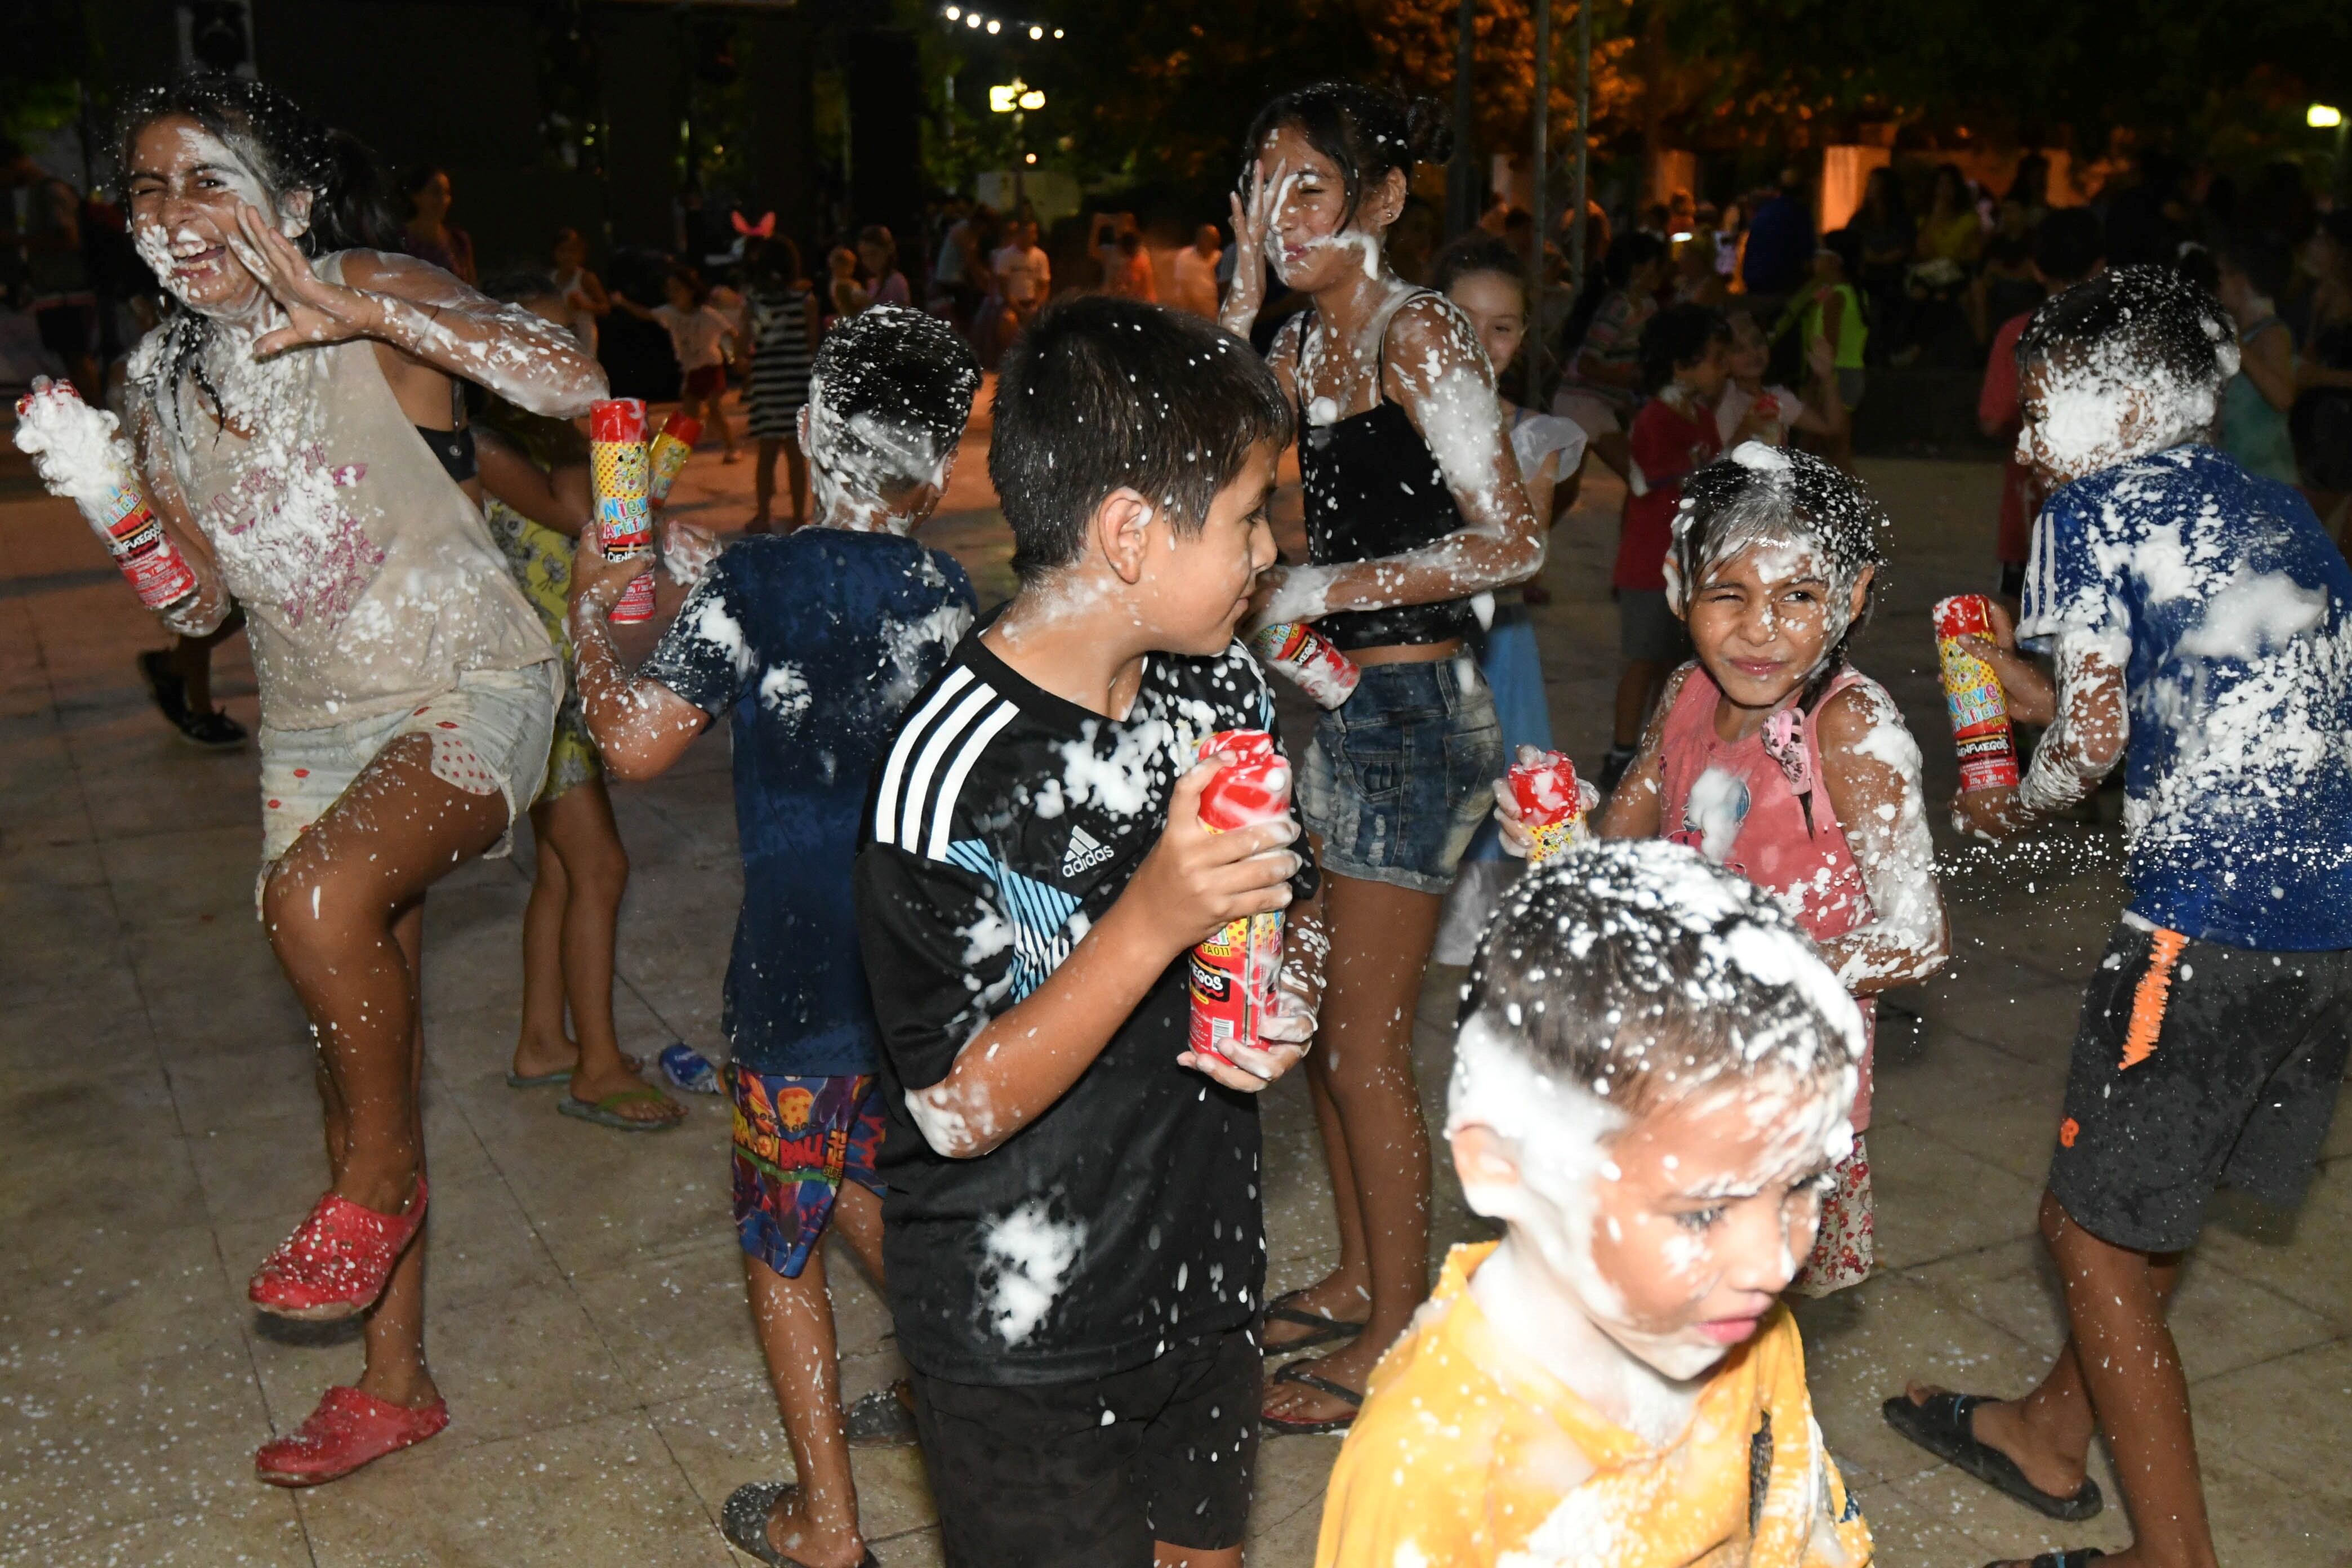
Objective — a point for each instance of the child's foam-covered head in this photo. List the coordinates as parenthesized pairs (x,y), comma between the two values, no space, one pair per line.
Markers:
(888,396)
(1652,1081)
(1781,500)
(2121,364)
(1635,970)
(1103,394)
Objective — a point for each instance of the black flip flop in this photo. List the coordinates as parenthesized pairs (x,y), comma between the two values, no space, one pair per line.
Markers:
(1281,1310)
(744,1520)
(1940,1426)
(884,1418)
(2080,1557)
(1296,1372)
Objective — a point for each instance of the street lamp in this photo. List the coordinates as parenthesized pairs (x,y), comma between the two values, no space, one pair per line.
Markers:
(2323,117)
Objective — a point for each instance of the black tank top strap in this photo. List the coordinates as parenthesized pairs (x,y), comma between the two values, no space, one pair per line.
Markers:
(455,451)
(1373,488)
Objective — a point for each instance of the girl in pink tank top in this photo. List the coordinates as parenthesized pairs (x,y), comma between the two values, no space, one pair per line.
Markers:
(1773,757)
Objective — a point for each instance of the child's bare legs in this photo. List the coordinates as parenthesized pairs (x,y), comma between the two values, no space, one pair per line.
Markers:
(1368,1109)
(568,933)
(794,1321)
(763,485)
(343,910)
(1637,689)
(796,474)
(714,417)
(2119,1372)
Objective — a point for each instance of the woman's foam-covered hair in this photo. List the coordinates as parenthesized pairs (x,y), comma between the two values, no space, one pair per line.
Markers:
(287,149)
(1639,972)
(1777,497)
(1364,131)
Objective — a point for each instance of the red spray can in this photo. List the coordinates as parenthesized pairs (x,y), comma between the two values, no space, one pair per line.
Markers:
(1306,656)
(1551,808)
(624,519)
(1979,709)
(1233,972)
(106,489)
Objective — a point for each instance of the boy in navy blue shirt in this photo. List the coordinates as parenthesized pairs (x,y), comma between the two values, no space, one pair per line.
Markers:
(1075,1229)
(812,643)
(2199,620)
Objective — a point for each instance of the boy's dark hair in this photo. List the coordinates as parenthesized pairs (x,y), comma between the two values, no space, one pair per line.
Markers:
(1628,252)
(1638,972)
(1103,394)
(2069,243)
(1677,336)
(2146,318)
(1750,496)
(1477,251)
(889,394)
(1364,131)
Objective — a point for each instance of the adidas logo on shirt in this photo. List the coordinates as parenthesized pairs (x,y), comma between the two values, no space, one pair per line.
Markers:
(1084,853)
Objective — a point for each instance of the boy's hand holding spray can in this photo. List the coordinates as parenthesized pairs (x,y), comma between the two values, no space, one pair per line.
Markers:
(82,457)
(625,521)
(1979,709)
(1234,973)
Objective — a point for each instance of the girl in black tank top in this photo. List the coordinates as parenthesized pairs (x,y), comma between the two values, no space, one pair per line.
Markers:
(1413,508)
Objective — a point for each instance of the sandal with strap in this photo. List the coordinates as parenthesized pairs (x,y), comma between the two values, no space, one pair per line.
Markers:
(743,1518)
(1941,1425)
(1284,1309)
(350,1429)
(606,1112)
(335,1264)
(1296,1372)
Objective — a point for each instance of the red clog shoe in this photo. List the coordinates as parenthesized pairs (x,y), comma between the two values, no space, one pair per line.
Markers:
(336,1262)
(348,1429)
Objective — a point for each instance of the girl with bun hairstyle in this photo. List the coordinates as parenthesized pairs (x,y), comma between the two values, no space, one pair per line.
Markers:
(1415,514)
(296,420)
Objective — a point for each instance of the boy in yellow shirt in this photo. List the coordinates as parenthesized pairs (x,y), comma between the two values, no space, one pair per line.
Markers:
(1650,1085)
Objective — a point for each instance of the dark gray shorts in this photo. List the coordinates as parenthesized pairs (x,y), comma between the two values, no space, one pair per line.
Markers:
(1648,628)
(2195,1066)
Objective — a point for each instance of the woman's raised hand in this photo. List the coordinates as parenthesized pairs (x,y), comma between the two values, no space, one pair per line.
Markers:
(317,312)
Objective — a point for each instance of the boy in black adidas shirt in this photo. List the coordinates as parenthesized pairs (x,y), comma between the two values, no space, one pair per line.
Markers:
(1074,1229)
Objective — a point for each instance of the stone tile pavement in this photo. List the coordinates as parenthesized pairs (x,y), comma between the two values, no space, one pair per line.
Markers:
(158,1132)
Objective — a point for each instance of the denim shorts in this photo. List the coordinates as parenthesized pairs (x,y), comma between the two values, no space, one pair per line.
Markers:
(1400,775)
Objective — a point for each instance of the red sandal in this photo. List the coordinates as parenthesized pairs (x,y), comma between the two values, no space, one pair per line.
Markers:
(336,1262)
(350,1429)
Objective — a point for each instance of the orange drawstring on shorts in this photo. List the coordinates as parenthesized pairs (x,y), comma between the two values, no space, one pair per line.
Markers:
(2148,1000)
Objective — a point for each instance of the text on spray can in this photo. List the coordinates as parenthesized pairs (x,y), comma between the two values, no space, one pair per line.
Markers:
(624,519)
(56,425)
(1309,659)
(1979,709)
(1233,972)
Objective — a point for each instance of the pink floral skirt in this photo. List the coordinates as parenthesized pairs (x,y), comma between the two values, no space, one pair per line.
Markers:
(1844,1249)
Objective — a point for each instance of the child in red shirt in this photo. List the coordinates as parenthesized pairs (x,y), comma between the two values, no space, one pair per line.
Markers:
(1685,360)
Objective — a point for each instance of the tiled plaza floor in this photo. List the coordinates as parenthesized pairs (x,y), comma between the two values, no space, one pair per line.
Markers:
(158,1132)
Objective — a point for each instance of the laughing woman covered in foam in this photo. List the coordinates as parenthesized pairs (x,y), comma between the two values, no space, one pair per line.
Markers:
(1414,507)
(296,420)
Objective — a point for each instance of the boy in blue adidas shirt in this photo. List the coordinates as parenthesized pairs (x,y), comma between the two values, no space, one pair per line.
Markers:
(2201,624)
(1074,1224)
(812,643)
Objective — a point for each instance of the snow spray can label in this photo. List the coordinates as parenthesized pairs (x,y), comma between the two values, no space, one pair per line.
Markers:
(1979,709)
(1308,657)
(145,554)
(1552,808)
(1233,972)
(624,520)
(666,459)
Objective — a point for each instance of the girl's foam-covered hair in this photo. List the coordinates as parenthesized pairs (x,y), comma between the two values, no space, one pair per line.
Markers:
(1637,971)
(1758,494)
